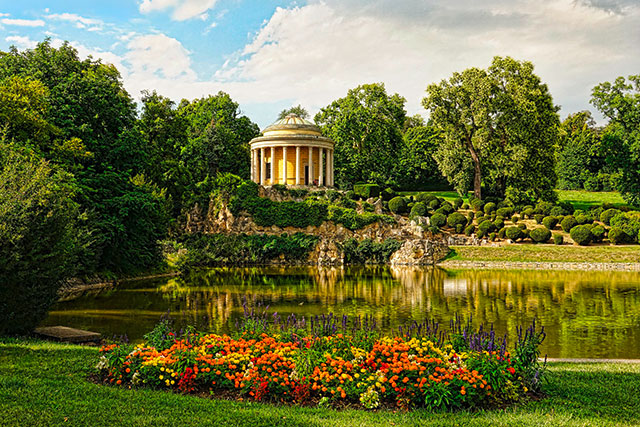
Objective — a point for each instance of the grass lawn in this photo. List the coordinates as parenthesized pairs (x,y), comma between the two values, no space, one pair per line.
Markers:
(546,253)
(46,384)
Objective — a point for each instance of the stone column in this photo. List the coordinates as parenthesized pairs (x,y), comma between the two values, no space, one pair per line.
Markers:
(273,163)
(320,168)
(310,165)
(298,165)
(284,165)
(263,168)
(332,175)
(328,167)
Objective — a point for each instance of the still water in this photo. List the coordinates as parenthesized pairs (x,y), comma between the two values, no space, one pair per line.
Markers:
(585,314)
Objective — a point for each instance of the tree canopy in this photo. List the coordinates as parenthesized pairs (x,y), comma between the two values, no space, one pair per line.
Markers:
(298,110)
(499,127)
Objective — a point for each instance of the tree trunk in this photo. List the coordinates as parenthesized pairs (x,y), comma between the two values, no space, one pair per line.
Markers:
(477,171)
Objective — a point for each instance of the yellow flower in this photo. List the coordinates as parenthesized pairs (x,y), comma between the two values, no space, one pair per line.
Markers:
(161,377)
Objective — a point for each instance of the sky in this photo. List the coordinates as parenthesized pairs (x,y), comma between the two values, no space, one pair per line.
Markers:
(270,55)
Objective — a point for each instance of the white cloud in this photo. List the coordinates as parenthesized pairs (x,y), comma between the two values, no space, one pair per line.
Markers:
(72,17)
(182,9)
(21,42)
(4,14)
(158,56)
(23,22)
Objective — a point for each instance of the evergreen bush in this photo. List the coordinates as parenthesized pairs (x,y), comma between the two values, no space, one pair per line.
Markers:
(513,233)
(540,234)
(568,223)
(550,222)
(438,220)
(398,205)
(455,219)
(617,236)
(581,234)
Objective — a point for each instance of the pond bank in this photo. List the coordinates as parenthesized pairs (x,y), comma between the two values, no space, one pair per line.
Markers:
(76,287)
(532,265)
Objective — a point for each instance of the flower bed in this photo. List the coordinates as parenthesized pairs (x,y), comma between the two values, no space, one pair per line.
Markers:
(463,369)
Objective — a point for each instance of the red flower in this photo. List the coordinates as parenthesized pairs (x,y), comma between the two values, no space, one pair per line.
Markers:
(512,370)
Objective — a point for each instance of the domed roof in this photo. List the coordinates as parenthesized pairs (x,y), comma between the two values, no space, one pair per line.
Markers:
(291,122)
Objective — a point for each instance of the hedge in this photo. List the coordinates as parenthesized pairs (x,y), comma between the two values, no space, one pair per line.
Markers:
(366,191)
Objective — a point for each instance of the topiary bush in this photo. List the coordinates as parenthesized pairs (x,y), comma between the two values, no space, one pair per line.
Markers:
(470,217)
(434,204)
(476,204)
(568,223)
(522,226)
(484,228)
(447,208)
(492,236)
(469,230)
(617,236)
(583,219)
(540,234)
(438,220)
(388,194)
(581,234)
(425,198)
(501,233)
(489,208)
(629,222)
(558,239)
(608,214)
(499,223)
(418,209)
(505,212)
(398,205)
(457,203)
(538,218)
(598,233)
(550,222)
(459,228)
(366,191)
(515,219)
(527,212)
(455,219)
(514,233)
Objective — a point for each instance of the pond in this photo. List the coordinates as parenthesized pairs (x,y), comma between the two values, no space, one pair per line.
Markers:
(585,314)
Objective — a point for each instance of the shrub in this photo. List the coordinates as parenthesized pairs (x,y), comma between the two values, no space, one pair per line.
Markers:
(498,223)
(456,219)
(581,234)
(366,191)
(617,236)
(528,212)
(388,194)
(629,222)
(332,195)
(598,233)
(543,208)
(514,233)
(459,228)
(515,219)
(398,205)
(484,228)
(479,214)
(476,204)
(469,230)
(492,236)
(540,234)
(351,195)
(368,251)
(583,219)
(438,220)
(558,239)
(607,215)
(465,206)
(538,218)
(368,207)
(489,208)
(505,212)
(470,217)
(522,226)
(425,198)
(550,222)
(568,223)
(447,208)
(501,233)
(434,204)
(418,209)
(457,203)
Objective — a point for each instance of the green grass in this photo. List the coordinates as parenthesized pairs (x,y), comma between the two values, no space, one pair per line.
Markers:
(46,384)
(546,253)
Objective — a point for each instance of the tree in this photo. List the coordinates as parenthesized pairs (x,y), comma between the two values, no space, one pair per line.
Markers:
(579,160)
(366,126)
(620,103)
(37,236)
(501,126)
(298,110)
(417,167)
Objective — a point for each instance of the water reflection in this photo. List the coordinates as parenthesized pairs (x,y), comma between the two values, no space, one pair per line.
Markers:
(586,314)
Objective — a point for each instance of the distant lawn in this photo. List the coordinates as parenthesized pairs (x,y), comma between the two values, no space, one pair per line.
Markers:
(546,253)
(46,384)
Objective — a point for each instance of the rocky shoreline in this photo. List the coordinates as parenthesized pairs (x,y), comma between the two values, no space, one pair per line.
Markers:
(535,265)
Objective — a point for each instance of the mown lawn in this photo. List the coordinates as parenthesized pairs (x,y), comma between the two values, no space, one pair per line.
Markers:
(46,384)
(546,253)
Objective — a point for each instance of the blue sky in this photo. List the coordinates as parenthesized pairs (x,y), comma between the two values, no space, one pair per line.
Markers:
(269,55)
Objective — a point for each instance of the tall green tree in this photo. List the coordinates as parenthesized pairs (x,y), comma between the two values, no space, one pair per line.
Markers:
(500,129)
(416,166)
(366,126)
(620,103)
(37,236)
(96,139)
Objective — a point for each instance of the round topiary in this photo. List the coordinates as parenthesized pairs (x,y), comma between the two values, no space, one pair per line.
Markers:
(617,236)
(598,233)
(425,197)
(470,217)
(550,222)
(438,220)
(558,239)
(568,223)
(459,228)
(469,230)
(513,233)
(492,236)
(447,207)
(489,208)
(476,204)
(387,194)
(505,212)
(540,235)
(528,212)
(484,228)
(418,209)
(434,204)
(501,233)
(479,214)
(608,214)
(515,219)
(583,219)
(499,223)
(581,234)
(398,205)
(456,218)
(538,218)
(522,226)
(457,203)
(465,206)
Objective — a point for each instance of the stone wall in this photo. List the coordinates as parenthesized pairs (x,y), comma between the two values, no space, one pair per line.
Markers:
(420,247)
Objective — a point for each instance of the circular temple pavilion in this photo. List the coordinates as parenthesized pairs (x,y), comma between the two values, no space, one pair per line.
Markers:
(292,152)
